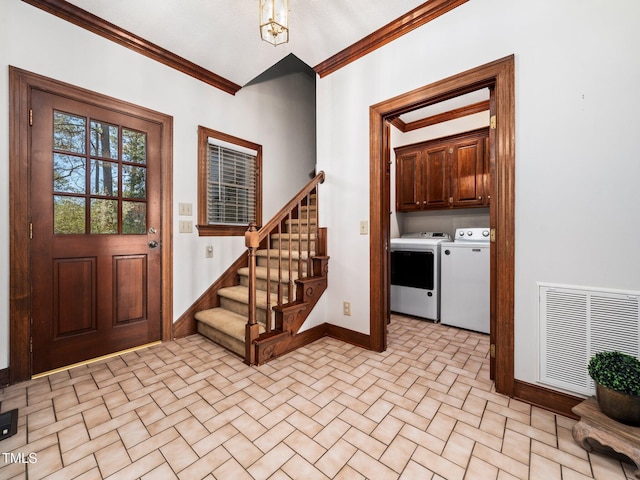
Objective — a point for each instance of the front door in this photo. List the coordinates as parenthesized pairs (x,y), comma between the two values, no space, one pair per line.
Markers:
(95,216)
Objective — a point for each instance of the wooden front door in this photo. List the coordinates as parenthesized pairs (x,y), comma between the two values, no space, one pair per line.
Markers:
(95,240)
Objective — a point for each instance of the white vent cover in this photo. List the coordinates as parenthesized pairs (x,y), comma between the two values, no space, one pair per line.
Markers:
(576,323)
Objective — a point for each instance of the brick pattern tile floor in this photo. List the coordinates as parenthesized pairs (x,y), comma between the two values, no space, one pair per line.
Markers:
(424,409)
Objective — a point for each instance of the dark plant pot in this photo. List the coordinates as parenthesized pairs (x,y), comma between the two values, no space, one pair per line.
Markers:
(619,406)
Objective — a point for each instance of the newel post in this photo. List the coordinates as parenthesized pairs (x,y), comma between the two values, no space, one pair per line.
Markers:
(252,242)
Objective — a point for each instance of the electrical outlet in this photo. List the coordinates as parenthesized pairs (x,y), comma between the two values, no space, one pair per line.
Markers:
(209,251)
(364,227)
(346,308)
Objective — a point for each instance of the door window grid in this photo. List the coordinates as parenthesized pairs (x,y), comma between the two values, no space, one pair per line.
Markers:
(109,197)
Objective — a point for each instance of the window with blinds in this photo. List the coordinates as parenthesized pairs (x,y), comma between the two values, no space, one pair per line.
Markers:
(229,183)
(231,186)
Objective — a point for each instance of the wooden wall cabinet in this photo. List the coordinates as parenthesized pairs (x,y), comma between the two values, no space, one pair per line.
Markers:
(450,172)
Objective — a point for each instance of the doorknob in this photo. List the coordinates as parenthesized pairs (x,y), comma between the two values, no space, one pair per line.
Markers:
(153,244)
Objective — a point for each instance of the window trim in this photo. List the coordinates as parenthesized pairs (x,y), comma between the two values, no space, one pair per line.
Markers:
(205,229)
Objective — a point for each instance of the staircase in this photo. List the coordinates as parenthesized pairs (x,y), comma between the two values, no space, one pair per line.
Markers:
(275,290)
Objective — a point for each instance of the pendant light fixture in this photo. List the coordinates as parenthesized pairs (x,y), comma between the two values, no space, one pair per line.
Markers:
(274,21)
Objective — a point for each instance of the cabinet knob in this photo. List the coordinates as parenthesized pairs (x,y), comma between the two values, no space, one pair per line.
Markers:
(424,202)
(417,203)
(480,197)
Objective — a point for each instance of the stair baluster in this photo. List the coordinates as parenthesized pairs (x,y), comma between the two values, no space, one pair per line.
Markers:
(290,262)
(308,261)
(267,321)
(252,242)
(280,286)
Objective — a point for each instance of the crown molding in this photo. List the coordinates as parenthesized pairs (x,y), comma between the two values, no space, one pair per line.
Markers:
(410,21)
(99,26)
(406,23)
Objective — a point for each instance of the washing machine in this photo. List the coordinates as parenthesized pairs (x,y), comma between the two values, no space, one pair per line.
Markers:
(465,276)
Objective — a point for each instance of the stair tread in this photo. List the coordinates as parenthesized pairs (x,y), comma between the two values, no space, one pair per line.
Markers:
(261,272)
(240,294)
(295,236)
(303,219)
(273,253)
(225,321)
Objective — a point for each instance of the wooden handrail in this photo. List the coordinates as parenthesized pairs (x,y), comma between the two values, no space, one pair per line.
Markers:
(284,211)
(254,238)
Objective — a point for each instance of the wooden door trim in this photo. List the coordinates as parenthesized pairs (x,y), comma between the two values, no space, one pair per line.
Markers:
(499,74)
(21,83)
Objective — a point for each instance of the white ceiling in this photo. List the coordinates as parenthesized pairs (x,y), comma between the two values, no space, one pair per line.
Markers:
(223,35)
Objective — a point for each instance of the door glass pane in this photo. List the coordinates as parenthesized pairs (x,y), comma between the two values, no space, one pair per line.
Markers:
(104,216)
(69,132)
(134,181)
(69,173)
(68,214)
(104,139)
(134,218)
(104,178)
(134,146)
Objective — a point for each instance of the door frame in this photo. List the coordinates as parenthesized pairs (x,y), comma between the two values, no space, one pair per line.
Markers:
(21,84)
(500,76)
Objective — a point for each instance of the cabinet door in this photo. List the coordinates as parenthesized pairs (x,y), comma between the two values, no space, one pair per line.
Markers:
(467,172)
(435,177)
(407,182)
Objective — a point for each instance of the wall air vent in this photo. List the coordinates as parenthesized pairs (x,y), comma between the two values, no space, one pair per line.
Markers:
(577,322)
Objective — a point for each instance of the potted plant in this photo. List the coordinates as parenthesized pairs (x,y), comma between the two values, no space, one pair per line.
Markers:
(617,379)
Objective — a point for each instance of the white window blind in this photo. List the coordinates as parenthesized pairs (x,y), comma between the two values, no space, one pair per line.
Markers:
(231,186)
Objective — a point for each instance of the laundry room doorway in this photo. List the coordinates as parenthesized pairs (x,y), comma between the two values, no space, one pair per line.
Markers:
(498,76)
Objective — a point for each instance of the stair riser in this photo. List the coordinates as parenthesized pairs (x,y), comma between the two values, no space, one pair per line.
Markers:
(243,309)
(312,211)
(273,263)
(302,228)
(221,338)
(295,244)
(261,284)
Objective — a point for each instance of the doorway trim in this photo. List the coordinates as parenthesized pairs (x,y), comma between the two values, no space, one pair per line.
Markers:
(500,76)
(21,84)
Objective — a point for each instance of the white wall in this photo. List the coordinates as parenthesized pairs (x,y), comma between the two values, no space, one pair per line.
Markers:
(62,51)
(577,74)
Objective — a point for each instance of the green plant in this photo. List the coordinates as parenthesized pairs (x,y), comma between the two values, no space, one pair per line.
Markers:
(617,371)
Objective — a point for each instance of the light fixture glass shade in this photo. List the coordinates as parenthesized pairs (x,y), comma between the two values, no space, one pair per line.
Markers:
(274,21)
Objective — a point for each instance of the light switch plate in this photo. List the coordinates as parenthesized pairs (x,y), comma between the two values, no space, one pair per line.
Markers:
(185,209)
(364,227)
(185,226)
